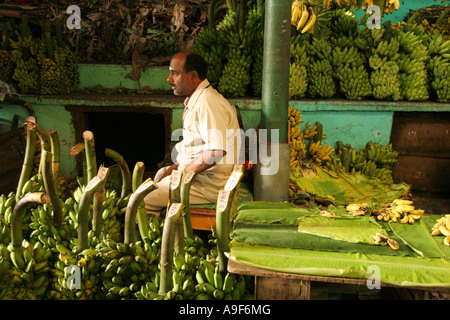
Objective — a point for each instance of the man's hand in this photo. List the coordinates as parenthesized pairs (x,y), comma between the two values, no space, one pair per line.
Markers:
(205,160)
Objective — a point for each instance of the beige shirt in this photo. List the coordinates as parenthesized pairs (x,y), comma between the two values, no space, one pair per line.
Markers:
(209,123)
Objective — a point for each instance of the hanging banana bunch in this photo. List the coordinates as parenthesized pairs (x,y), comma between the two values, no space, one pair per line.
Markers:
(386,6)
(298,149)
(303,16)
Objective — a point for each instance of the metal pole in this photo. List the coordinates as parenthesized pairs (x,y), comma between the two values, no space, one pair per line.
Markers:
(268,184)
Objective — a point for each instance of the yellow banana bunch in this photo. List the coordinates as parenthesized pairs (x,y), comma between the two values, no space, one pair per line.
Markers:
(358,209)
(391,5)
(295,116)
(342,3)
(303,16)
(442,227)
(311,132)
(399,210)
(320,153)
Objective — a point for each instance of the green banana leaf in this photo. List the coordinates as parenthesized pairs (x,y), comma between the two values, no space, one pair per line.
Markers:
(393,270)
(418,237)
(272,212)
(347,187)
(287,236)
(346,228)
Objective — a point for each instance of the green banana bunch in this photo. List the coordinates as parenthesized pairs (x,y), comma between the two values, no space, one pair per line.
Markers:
(298,75)
(438,66)
(354,82)
(257,51)
(31,265)
(385,81)
(126,267)
(236,75)
(211,47)
(321,83)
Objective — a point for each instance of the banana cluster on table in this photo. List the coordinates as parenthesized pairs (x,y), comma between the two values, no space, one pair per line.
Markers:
(442,228)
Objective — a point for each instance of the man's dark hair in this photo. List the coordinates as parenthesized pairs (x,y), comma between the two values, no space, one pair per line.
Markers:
(195,62)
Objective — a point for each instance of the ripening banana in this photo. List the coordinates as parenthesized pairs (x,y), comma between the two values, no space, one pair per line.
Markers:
(311,21)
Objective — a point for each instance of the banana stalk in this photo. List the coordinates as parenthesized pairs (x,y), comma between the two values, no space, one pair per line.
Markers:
(85,202)
(97,220)
(77,150)
(43,136)
(132,207)
(27,166)
(175,197)
(185,188)
(126,176)
(167,247)
(51,187)
(224,201)
(91,159)
(345,159)
(137,177)
(18,211)
(54,145)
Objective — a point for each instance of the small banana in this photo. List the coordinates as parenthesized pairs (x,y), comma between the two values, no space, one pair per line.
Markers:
(311,22)
(304,17)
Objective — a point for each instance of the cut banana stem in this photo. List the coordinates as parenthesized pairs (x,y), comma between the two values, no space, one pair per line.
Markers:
(51,188)
(97,207)
(134,202)
(184,194)
(55,148)
(83,211)
(28,163)
(167,247)
(137,177)
(91,159)
(176,178)
(125,171)
(17,214)
(224,202)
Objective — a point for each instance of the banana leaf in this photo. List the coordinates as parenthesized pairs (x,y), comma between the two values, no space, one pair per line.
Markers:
(287,236)
(345,228)
(393,270)
(418,237)
(272,212)
(347,187)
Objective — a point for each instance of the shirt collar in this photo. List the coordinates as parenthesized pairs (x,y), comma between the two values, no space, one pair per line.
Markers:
(190,101)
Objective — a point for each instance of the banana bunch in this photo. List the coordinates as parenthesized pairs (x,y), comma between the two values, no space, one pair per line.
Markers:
(438,66)
(442,227)
(298,75)
(399,210)
(212,285)
(311,131)
(320,154)
(298,80)
(303,16)
(44,231)
(26,72)
(211,47)
(126,267)
(389,6)
(354,82)
(321,83)
(382,155)
(386,82)
(344,22)
(412,63)
(358,209)
(257,52)
(236,74)
(53,78)
(85,266)
(6,60)
(31,264)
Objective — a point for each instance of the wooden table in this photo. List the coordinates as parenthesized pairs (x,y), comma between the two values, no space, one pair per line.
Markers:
(274,285)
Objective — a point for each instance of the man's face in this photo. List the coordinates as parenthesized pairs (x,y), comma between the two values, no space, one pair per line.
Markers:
(182,82)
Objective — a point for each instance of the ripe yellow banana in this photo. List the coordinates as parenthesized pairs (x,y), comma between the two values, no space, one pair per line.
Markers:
(304,17)
(296,12)
(311,21)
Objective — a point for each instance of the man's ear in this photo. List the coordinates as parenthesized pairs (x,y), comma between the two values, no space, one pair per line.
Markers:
(194,74)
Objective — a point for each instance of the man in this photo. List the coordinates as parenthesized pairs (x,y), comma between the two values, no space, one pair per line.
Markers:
(211,135)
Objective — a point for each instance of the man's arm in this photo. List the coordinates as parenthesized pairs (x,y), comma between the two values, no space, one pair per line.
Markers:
(205,160)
